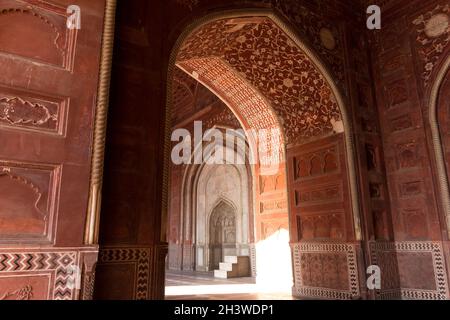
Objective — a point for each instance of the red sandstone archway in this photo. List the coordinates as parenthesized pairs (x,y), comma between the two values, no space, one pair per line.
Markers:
(440,125)
(270,79)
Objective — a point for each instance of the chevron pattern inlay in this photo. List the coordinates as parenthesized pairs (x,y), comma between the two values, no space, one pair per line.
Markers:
(59,263)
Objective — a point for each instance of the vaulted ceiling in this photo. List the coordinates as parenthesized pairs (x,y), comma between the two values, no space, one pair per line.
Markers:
(192,101)
(263,75)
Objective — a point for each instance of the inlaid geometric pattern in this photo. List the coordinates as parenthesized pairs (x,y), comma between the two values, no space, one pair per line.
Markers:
(61,264)
(415,250)
(141,257)
(324,264)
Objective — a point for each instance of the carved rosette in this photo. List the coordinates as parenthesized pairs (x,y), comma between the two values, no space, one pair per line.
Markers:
(433,30)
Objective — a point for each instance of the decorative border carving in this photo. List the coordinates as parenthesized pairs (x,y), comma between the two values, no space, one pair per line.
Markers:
(435,248)
(87,292)
(159,275)
(56,262)
(252,251)
(141,257)
(348,249)
(89,263)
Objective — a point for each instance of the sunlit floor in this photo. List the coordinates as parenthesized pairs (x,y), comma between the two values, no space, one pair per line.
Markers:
(203,286)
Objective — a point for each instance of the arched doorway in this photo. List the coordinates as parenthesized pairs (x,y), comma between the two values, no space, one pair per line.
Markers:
(222,233)
(207,189)
(282,85)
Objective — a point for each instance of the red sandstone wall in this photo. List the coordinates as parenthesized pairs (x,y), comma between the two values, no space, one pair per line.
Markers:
(48,87)
(325,249)
(271,214)
(131,263)
(319,192)
(405,60)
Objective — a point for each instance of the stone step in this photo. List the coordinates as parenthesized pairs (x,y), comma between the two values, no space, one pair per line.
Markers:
(221,274)
(226,266)
(233,267)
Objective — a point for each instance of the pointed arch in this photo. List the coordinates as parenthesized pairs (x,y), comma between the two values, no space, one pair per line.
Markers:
(442,176)
(335,91)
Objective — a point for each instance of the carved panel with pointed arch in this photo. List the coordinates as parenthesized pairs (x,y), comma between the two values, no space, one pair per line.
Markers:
(36,33)
(27,205)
